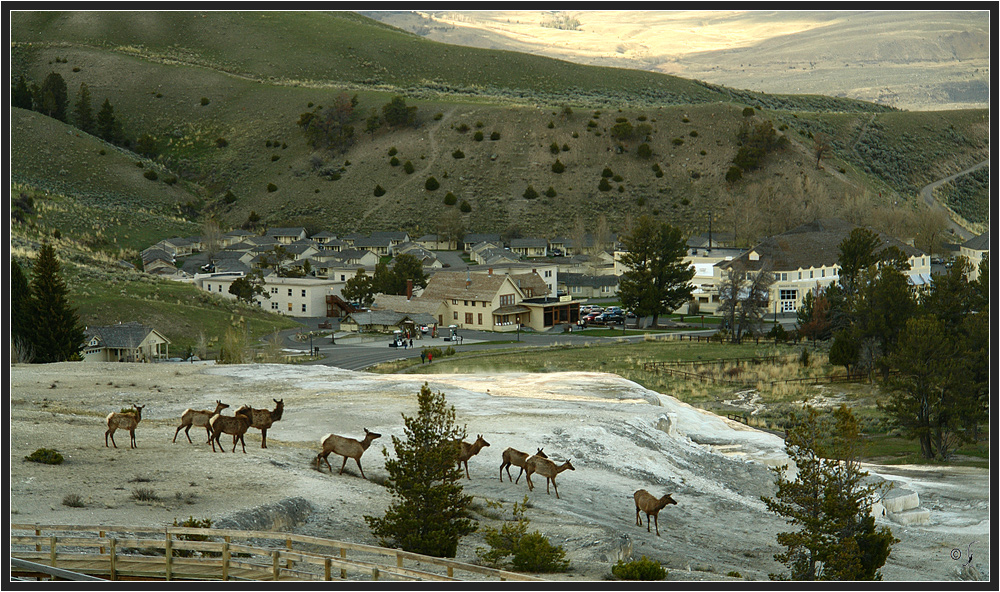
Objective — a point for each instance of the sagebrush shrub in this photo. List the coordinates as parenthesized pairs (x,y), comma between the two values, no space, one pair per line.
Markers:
(530,193)
(271,187)
(150,174)
(45,456)
(431,184)
(534,553)
(642,569)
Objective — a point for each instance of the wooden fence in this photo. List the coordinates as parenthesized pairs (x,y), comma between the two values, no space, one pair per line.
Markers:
(169,553)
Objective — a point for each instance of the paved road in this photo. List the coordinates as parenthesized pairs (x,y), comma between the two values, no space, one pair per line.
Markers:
(927,193)
(358,353)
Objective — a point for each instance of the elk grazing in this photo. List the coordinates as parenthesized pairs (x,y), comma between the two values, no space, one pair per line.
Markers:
(515,457)
(236,425)
(262,419)
(346,447)
(467,451)
(196,417)
(124,420)
(646,502)
(546,468)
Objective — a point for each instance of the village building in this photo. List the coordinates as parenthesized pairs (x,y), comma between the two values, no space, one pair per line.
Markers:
(974,250)
(124,342)
(292,296)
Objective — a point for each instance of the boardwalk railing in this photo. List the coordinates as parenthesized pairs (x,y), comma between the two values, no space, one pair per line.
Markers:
(126,552)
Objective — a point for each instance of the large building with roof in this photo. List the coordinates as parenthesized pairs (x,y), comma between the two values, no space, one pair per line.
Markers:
(805,259)
(974,250)
(124,342)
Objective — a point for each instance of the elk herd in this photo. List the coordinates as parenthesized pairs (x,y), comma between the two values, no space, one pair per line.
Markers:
(246,417)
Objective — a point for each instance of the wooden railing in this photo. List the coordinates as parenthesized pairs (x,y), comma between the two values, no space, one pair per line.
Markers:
(125,552)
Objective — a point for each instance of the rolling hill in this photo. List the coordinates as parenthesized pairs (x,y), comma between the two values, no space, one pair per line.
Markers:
(190,79)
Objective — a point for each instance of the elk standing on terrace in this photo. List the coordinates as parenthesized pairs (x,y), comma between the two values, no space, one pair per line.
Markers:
(262,419)
(467,451)
(236,425)
(196,417)
(125,420)
(546,468)
(645,502)
(513,456)
(346,447)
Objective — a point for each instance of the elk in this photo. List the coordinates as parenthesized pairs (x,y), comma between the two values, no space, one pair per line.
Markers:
(236,425)
(125,420)
(195,417)
(346,447)
(262,419)
(467,451)
(515,457)
(546,468)
(646,502)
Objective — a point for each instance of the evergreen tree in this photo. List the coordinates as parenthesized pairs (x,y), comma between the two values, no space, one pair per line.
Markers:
(828,501)
(58,335)
(657,281)
(20,95)
(430,512)
(108,127)
(20,311)
(397,114)
(83,114)
(359,289)
(54,97)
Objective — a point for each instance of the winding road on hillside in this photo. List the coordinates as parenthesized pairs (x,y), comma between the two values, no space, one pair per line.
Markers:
(927,193)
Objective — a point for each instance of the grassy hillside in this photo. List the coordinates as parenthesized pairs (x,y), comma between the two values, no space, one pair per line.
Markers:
(190,79)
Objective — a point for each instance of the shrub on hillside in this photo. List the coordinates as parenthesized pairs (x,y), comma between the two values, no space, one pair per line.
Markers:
(457,154)
(607,173)
(478,136)
(604,185)
(642,569)
(271,187)
(394,161)
(554,148)
(495,135)
(221,142)
(431,184)
(450,199)
(408,167)
(550,192)
(465,208)
(379,192)
(150,174)
(530,193)
(204,101)
(45,456)
(558,167)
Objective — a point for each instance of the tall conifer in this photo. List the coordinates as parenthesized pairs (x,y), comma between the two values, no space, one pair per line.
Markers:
(58,335)
(83,114)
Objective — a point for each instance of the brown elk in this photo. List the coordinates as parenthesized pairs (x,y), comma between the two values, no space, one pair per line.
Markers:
(646,502)
(198,417)
(346,447)
(263,419)
(513,456)
(467,451)
(546,468)
(124,420)
(236,425)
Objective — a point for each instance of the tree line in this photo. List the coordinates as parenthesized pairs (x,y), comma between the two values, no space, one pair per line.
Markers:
(44,327)
(51,98)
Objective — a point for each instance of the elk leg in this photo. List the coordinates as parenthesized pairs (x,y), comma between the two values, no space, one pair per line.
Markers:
(518,476)
(358,460)
(263,438)
(342,465)
(638,521)
(656,520)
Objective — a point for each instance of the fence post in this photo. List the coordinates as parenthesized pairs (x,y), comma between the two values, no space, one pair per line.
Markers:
(100,535)
(451,572)
(225,558)
(343,555)
(374,574)
(399,560)
(168,549)
(275,564)
(326,569)
(288,545)
(112,547)
(52,550)
(38,533)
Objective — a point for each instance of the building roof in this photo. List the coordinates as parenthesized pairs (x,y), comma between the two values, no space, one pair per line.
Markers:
(389,318)
(978,243)
(473,238)
(528,243)
(445,285)
(584,279)
(814,244)
(401,304)
(123,335)
(285,232)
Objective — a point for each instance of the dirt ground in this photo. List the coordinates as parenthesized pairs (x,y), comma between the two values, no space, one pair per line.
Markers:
(619,436)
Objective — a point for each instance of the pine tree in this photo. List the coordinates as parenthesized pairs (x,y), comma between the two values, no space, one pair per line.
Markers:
(54,97)
(83,114)
(430,513)
(58,335)
(658,280)
(108,127)
(20,312)
(830,504)
(20,95)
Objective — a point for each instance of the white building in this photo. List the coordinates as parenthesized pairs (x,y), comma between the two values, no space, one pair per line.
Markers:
(295,297)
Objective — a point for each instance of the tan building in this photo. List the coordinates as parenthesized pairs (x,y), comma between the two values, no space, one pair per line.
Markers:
(294,297)
(974,250)
(124,342)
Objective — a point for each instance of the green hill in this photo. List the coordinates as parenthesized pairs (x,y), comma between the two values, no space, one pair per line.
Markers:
(191,79)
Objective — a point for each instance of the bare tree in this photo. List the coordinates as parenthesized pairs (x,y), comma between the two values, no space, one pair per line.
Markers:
(821,147)
(744,295)
(211,238)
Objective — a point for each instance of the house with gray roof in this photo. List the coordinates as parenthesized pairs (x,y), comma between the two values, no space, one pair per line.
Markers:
(472,239)
(975,249)
(530,247)
(286,235)
(124,342)
(580,285)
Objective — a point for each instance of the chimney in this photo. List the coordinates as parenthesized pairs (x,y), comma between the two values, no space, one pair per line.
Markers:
(489,271)
(409,289)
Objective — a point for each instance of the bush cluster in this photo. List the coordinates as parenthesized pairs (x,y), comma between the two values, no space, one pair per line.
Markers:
(45,456)
(642,569)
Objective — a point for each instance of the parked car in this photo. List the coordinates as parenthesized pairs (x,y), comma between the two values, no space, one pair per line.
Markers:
(613,318)
(598,320)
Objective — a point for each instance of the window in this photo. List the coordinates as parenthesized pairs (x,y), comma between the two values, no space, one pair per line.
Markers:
(506,300)
(784,277)
(274,290)
(465,303)
(788,294)
(480,318)
(303,308)
(342,277)
(303,293)
(468,318)
(289,307)
(454,315)
(274,306)
(800,275)
(822,272)
(454,301)
(289,293)
(208,287)
(810,274)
